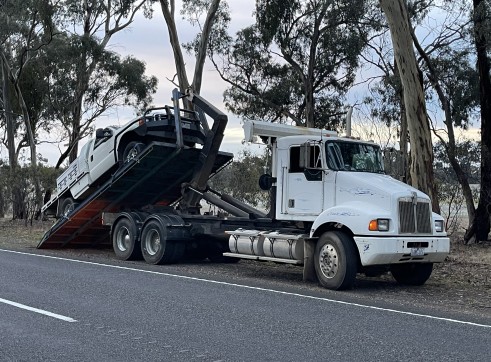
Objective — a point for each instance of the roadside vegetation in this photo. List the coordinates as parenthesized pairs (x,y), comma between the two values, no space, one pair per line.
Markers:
(296,62)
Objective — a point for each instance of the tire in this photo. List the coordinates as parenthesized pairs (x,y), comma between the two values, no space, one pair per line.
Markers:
(132,150)
(155,247)
(335,261)
(125,240)
(67,207)
(411,273)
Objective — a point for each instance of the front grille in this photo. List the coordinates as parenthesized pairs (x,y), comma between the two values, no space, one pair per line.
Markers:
(414,218)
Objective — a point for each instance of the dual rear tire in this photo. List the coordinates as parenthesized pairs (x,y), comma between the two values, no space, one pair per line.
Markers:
(153,245)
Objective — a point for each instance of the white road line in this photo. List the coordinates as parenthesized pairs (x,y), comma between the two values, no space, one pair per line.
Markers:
(428,316)
(36,310)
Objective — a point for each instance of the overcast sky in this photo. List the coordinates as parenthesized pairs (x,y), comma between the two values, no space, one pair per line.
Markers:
(148,40)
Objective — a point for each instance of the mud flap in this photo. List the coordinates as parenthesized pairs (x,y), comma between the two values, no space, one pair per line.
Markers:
(308,260)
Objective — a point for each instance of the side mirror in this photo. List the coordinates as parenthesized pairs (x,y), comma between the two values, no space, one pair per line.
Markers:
(103,133)
(99,133)
(303,162)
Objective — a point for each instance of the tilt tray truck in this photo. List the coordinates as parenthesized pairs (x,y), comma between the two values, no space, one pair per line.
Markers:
(333,210)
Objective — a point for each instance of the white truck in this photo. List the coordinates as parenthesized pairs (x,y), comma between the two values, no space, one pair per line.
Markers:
(333,210)
(111,148)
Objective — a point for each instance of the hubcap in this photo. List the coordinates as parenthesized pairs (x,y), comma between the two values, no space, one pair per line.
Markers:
(132,154)
(152,242)
(68,209)
(328,261)
(123,238)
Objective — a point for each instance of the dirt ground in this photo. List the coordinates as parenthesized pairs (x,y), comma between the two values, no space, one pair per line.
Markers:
(462,284)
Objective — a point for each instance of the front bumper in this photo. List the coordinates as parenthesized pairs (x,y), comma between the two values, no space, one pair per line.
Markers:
(394,250)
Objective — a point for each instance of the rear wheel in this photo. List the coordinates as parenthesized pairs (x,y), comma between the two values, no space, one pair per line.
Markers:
(156,249)
(335,260)
(132,150)
(412,273)
(125,243)
(67,206)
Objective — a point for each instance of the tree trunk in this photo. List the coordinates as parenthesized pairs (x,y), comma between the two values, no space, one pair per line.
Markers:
(450,145)
(479,230)
(34,174)
(168,13)
(17,200)
(403,137)
(203,45)
(418,125)
(9,119)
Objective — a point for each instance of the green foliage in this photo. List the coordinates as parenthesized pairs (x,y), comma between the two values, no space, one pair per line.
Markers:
(18,191)
(384,101)
(296,62)
(240,179)
(468,155)
(452,201)
(459,80)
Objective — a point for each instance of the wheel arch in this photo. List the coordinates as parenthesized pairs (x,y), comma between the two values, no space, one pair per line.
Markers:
(338,227)
(134,217)
(125,140)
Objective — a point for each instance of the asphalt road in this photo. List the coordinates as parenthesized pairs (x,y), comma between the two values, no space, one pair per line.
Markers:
(57,309)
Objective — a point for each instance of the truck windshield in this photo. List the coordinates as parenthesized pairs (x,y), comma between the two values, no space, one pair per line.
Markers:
(354,156)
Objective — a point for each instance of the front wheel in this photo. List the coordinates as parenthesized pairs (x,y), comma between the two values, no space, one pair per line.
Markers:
(132,150)
(412,273)
(335,261)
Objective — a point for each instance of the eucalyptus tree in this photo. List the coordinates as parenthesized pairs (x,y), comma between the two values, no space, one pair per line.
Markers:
(113,81)
(296,62)
(421,169)
(90,25)
(479,229)
(25,28)
(211,17)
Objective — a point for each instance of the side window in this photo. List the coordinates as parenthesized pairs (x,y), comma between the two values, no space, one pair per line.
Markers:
(313,169)
(334,157)
(295,160)
(315,160)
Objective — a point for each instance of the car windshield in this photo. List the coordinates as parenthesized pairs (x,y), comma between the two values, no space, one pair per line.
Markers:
(354,156)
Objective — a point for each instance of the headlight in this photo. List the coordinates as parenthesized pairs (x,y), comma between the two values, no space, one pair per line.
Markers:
(439,226)
(379,225)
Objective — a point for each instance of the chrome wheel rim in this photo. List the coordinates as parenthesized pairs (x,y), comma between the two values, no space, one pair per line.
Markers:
(132,154)
(123,238)
(328,261)
(152,242)
(68,209)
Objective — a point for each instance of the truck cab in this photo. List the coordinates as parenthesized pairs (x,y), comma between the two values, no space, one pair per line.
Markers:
(336,187)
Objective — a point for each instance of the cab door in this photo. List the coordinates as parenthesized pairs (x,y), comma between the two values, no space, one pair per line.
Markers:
(303,188)
(101,158)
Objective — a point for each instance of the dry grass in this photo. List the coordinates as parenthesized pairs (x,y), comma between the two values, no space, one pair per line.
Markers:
(18,234)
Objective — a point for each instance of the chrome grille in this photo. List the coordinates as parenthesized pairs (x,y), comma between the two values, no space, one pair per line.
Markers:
(414,217)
